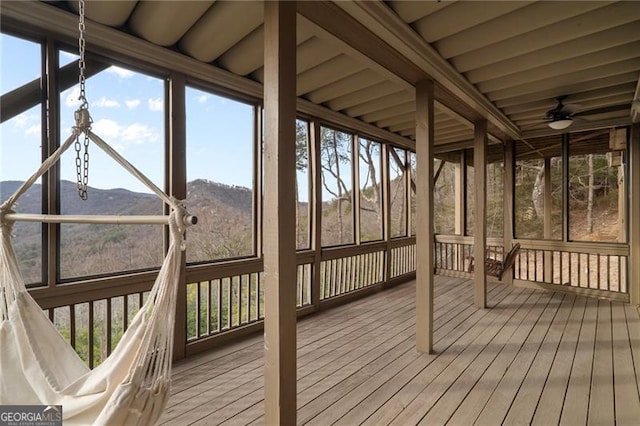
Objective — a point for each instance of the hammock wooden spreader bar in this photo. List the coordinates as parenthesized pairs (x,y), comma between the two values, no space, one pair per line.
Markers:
(98,219)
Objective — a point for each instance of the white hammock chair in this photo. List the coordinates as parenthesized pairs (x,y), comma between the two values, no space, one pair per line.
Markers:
(39,367)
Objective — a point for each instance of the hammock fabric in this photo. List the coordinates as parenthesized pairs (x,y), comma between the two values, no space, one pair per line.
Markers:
(38,366)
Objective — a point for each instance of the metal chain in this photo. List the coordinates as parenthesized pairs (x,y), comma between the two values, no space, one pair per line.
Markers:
(82,165)
(81,49)
(82,172)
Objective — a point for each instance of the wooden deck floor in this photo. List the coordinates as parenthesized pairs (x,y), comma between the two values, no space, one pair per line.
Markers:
(534,357)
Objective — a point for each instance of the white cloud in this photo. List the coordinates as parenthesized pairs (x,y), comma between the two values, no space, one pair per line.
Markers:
(132,103)
(156,104)
(138,133)
(21,120)
(120,72)
(106,129)
(103,102)
(72,98)
(33,130)
(203,98)
(120,136)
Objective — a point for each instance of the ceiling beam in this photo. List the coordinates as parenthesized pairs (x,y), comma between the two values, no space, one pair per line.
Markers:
(388,33)
(358,41)
(29,95)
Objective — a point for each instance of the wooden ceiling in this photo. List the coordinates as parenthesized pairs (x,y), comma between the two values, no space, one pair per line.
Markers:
(501,60)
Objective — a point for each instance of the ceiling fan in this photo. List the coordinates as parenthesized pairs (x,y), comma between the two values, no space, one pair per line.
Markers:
(563,115)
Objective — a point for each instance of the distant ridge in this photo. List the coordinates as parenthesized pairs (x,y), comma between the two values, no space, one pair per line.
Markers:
(200,192)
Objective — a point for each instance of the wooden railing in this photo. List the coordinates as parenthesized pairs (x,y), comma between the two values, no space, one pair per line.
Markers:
(598,268)
(453,253)
(403,257)
(222,304)
(94,328)
(344,270)
(223,300)
(227,298)
(595,266)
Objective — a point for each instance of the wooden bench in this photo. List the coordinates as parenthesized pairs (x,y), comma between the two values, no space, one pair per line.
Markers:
(497,268)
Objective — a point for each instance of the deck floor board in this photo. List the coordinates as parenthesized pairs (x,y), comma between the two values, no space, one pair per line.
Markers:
(533,357)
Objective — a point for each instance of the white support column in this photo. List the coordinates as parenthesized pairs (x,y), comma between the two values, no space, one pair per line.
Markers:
(424,213)
(634,214)
(479,227)
(508,189)
(279,213)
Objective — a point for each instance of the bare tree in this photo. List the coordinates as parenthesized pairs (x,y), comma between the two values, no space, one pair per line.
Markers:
(366,153)
(335,150)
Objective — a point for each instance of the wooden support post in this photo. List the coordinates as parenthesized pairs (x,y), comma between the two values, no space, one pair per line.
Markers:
(459,206)
(479,227)
(565,187)
(507,208)
(622,195)
(355,193)
(50,138)
(279,213)
(424,213)
(386,209)
(634,215)
(316,211)
(548,270)
(258,138)
(176,164)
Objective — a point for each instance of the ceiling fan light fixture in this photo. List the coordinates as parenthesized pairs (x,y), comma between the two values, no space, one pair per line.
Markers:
(560,124)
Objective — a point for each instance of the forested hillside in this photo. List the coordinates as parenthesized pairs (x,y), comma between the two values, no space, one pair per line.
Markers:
(95,249)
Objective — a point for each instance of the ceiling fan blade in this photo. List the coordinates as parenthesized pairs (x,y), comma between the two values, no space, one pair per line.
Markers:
(603,110)
(530,126)
(570,108)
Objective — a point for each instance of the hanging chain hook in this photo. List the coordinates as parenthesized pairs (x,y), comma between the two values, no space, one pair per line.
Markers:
(82,116)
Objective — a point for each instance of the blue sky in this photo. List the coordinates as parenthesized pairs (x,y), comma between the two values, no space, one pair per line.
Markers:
(127,108)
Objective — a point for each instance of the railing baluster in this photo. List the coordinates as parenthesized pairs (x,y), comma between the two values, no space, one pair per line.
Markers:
(228,302)
(323,280)
(72,325)
(571,275)
(239,297)
(90,337)
(356,277)
(332,272)
(218,286)
(214,307)
(109,329)
(198,310)
(622,287)
(308,278)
